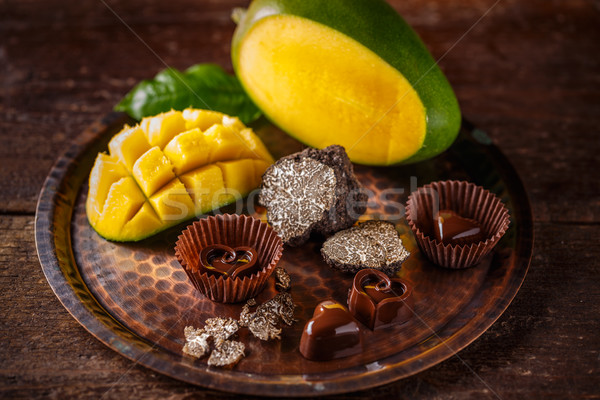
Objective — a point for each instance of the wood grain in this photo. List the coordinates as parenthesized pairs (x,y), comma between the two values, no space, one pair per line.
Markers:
(528,74)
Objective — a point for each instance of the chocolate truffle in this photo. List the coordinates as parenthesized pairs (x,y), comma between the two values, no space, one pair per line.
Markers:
(371,244)
(331,333)
(453,249)
(379,301)
(217,254)
(312,191)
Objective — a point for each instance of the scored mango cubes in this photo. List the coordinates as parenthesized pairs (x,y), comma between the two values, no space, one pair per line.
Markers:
(169,168)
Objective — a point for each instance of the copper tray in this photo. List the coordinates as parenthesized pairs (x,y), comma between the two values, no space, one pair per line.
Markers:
(136,299)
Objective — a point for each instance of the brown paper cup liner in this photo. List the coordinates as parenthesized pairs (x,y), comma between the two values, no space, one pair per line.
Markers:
(467,200)
(234,231)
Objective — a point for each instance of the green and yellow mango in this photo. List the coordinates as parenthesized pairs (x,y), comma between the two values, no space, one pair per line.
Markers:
(169,168)
(346,72)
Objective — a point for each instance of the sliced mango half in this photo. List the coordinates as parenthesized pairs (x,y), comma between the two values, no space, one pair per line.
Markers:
(345,72)
(169,168)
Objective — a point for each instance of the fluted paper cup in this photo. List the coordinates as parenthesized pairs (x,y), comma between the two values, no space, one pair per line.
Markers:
(234,231)
(467,200)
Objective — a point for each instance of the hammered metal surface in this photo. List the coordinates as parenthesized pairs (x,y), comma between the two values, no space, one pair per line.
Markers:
(137,299)
(147,290)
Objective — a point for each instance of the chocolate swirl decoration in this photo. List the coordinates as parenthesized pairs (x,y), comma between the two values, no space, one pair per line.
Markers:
(236,262)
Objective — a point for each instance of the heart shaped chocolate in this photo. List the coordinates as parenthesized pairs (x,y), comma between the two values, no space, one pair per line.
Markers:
(451,228)
(219,259)
(378,301)
(331,333)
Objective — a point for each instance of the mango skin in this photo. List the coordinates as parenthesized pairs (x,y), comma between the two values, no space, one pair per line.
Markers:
(377,26)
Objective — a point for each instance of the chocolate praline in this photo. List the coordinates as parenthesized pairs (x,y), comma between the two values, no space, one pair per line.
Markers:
(331,333)
(379,301)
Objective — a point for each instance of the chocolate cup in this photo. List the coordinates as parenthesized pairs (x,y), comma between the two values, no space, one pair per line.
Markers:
(393,310)
(467,200)
(234,231)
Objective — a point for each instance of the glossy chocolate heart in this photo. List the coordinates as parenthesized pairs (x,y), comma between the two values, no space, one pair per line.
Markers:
(451,228)
(331,333)
(223,260)
(378,301)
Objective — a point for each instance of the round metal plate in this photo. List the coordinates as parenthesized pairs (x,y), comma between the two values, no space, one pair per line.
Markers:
(136,298)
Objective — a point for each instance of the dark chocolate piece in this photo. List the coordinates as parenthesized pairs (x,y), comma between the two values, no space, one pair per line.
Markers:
(379,301)
(331,333)
(312,191)
(218,259)
(451,228)
(371,244)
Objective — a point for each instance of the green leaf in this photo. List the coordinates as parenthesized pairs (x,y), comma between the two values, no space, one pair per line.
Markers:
(205,86)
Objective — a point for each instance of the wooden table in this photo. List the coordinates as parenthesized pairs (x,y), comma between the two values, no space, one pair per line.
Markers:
(527,72)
